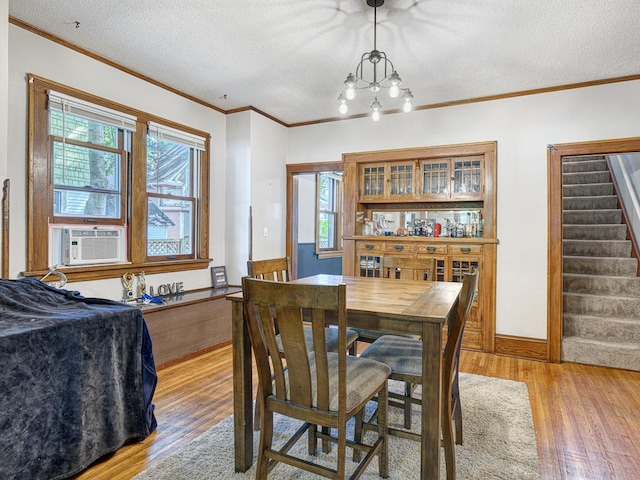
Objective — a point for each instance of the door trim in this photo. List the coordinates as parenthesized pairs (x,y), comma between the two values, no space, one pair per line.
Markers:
(292,204)
(554,245)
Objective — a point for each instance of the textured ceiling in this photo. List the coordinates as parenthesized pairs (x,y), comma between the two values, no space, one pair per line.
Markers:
(288,58)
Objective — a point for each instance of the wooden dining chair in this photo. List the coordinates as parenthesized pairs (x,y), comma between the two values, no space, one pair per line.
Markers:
(279,269)
(316,386)
(404,356)
(400,268)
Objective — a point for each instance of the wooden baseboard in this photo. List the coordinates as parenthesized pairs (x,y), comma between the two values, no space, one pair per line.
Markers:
(531,348)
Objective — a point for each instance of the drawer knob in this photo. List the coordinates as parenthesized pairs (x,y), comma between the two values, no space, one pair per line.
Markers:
(431,249)
(369,247)
(398,248)
(465,250)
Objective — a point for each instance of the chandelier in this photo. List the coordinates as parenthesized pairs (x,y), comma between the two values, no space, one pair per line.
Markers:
(370,62)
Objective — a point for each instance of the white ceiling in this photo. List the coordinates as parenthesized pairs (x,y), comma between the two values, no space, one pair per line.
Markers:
(288,58)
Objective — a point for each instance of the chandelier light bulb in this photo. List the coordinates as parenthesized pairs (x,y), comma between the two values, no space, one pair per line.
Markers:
(407,97)
(343,108)
(350,87)
(376,110)
(394,84)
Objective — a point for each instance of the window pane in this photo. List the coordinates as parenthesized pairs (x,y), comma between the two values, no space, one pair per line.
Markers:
(82,129)
(325,193)
(168,167)
(74,203)
(76,166)
(93,180)
(169,227)
(326,228)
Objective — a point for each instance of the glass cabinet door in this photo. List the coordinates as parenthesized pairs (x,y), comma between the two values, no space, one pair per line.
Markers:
(401,177)
(467,177)
(435,178)
(373,180)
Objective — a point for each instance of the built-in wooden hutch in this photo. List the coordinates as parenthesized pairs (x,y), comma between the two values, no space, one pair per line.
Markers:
(437,202)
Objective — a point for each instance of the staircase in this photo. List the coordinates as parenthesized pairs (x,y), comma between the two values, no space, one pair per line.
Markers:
(601,293)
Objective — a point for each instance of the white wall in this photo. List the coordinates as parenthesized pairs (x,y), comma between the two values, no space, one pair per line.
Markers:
(29,53)
(523,127)
(238,198)
(268,186)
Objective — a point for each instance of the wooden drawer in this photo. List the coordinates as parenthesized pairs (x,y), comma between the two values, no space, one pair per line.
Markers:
(367,248)
(465,249)
(432,249)
(403,248)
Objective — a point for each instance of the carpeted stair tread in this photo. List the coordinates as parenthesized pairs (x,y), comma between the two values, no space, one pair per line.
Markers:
(592,217)
(601,305)
(584,166)
(594,232)
(603,328)
(613,266)
(596,248)
(590,202)
(625,355)
(587,189)
(585,177)
(601,285)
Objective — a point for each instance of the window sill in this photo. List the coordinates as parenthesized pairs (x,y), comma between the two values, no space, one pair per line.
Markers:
(335,254)
(98,272)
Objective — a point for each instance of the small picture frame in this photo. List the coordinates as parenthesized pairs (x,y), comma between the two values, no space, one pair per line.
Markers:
(219,277)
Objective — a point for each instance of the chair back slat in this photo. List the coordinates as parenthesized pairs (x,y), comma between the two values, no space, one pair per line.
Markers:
(409,268)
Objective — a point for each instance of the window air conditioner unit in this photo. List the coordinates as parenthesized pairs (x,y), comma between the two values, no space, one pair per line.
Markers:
(83,246)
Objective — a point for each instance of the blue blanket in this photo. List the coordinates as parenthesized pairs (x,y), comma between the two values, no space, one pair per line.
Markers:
(77,378)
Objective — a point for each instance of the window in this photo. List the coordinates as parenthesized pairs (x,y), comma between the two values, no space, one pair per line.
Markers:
(329,214)
(90,147)
(173,160)
(94,163)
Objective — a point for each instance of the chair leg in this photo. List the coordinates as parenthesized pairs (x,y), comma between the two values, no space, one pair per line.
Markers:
(408,387)
(256,411)
(342,450)
(266,439)
(383,424)
(357,434)
(457,419)
(353,349)
(326,444)
(312,439)
(447,440)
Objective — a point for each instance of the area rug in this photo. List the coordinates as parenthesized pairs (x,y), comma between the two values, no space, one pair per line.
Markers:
(499,442)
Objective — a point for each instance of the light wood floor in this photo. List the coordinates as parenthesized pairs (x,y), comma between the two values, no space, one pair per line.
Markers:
(587,419)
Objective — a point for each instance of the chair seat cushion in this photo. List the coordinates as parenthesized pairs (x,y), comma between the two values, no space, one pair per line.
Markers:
(402,354)
(331,338)
(369,335)
(364,378)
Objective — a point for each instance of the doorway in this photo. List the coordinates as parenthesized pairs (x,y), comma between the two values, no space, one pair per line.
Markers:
(555,155)
(297,186)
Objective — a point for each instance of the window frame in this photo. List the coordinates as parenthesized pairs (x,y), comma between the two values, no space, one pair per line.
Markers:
(336,251)
(40,193)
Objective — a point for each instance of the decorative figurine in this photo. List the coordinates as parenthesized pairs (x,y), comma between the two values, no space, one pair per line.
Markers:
(127,283)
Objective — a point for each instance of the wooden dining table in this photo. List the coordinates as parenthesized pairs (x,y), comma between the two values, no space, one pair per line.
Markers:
(403,306)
